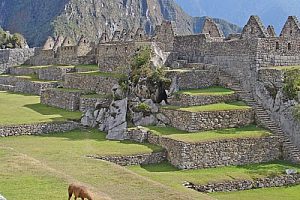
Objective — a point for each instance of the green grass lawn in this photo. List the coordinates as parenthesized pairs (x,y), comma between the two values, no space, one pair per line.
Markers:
(41,167)
(286,67)
(211,91)
(88,67)
(26,109)
(238,105)
(103,74)
(168,175)
(251,131)
(30,77)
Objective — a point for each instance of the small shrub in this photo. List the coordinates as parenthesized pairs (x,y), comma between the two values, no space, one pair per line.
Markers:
(297,112)
(143,107)
(291,83)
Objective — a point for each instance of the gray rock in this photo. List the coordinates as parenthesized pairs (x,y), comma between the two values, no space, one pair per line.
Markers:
(162,118)
(152,105)
(118,92)
(146,121)
(291,171)
(117,124)
(2,197)
(137,116)
(88,119)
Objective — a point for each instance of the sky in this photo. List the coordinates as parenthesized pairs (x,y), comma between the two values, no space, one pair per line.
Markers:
(274,12)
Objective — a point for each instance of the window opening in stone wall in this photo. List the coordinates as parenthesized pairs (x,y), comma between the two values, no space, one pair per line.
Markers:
(126,49)
(277,45)
(289,46)
(291,32)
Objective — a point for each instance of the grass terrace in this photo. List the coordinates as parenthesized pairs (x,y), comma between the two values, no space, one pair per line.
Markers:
(251,131)
(238,105)
(286,68)
(87,67)
(211,91)
(30,77)
(44,66)
(170,176)
(103,74)
(26,109)
(41,167)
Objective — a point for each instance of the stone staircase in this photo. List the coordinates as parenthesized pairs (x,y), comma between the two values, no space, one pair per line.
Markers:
(291,152)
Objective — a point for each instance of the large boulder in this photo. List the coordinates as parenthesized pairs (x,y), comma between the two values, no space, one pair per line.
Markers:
(89,119)
(117,123)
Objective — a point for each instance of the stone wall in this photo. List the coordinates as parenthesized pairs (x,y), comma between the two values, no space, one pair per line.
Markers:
(95,83)
(21,71)
(223,152)
(191,122)
(240,185)
(23,85)
(87,103)
(37,129)
(140,159)
(65,99)
(54,73)
(194,100)
(194,79)
(14,57)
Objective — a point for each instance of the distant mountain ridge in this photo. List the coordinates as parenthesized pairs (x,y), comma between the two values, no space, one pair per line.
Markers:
(272,12)
(37,19)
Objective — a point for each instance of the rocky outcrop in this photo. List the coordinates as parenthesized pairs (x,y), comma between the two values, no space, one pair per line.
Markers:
(117,122)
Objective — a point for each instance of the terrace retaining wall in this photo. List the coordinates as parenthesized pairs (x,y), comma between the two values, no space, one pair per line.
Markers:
(140,159)
(229,186)
(37,129)
(194,121)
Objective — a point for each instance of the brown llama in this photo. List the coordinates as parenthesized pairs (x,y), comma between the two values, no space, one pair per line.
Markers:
(79,192)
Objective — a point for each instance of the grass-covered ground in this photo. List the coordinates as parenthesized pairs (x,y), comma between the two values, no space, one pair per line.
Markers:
(251,131)
(211,91)
(30,77)
(286,68)
(238,105)
(103,74)
(41,167)
(88,67)
(168,175)
(26,109)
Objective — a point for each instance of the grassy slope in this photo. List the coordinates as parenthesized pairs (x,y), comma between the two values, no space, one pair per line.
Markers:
(60,159)
(168,175)
(211,91)
(26,109)
(245,132)
(212,107)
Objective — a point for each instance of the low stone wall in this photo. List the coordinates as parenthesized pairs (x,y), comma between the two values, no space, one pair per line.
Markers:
(140,159)
(22,85)
(87,103)
(36,88)
(69,100)
(223,152)
(194,121)
(54,73)
(37,129)
(95,83)
(229,186)
(20,71)
(195,100)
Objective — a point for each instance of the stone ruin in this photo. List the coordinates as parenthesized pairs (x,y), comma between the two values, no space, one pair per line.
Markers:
(241,61)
